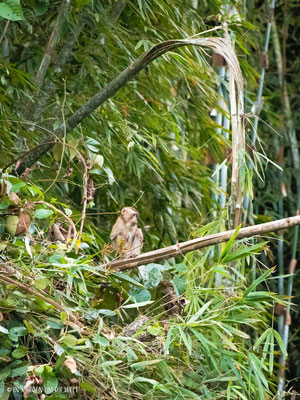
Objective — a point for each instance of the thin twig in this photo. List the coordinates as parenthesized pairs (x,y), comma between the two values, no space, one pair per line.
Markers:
(60,212)
(4,30)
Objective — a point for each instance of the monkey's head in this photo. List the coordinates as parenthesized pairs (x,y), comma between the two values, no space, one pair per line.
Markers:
(129,214)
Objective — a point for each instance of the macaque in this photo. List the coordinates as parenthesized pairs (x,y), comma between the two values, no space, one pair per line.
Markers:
(127,238)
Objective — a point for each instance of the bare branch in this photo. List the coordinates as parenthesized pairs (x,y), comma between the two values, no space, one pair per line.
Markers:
(73,320)
(54,37)
(64,7)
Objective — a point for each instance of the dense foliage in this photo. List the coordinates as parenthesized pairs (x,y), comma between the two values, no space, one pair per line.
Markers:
(71,328)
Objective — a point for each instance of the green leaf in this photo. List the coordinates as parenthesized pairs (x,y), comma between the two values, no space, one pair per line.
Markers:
(123,277)
(69,340)
(4,373)
(19,371)
(3,330)
(41,8)
(258,281)
(88,387)
(92,144)
(39,370)
(41,283)
(55,324)
(4,202)
(151,275)
(57,152)
(50,381)
(16,332)
(140,295)
(137,305)
(229,244)
(11,9)
(63,316)
(262,338)
(110,175)
(2,388)
(19,352)
(42,213)
(280,342)
(16,187)
(107,313)
(243,252)
(195,317)
(29,327)
(154,330)
(98,161)
(101,340)
(2,226)
(11,224)
(143,364)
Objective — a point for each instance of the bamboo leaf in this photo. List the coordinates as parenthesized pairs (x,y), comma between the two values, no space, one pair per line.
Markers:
(258,281)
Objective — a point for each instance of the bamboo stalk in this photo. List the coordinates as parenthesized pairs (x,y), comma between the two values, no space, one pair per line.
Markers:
(195,244)
(285,320)
(258,102)
(263,70)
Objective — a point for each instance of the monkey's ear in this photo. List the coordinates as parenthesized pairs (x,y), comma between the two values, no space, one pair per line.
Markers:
(123,211)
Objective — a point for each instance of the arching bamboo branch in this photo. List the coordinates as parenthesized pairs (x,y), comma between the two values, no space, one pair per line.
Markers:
(219,45)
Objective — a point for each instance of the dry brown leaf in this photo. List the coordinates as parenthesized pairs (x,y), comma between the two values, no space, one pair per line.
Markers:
(24,223)
(71,364)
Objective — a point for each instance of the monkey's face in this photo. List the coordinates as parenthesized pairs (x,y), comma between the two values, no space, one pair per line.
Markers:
(129,214)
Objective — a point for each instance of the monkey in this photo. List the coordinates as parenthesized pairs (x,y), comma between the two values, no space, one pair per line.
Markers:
(127,238)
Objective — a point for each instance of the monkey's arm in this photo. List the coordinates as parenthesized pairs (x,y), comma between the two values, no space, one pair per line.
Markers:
(137,244)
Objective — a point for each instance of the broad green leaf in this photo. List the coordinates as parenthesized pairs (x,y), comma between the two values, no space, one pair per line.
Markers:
(20,370)
(19,352)
(41,283)
(101,340)
(99,160)
(16,187)
(140,295)
(16,332)
(4,202)
(107,313)
(50,381)
(88,387)
(42,213)
(69,340)
(4,373)
(11,9)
